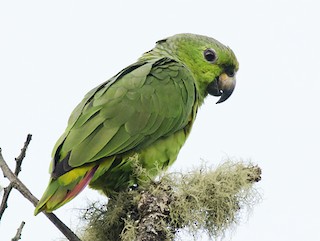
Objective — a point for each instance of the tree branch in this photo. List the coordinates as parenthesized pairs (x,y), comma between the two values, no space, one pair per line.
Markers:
(7,190)
(19,231)
(22,155)
(204,200)
(18,185)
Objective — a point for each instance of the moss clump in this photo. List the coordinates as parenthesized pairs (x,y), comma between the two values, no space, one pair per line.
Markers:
(211,200)
(205,199)
(106,221)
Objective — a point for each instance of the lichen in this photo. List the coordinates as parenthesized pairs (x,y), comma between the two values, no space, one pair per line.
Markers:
(203,200)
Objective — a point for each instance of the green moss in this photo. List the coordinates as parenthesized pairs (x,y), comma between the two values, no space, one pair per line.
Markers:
(206,199)
(211,200)
(103,223)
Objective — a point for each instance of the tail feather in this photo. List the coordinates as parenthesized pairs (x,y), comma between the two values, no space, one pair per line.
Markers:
(81,185)
(57,195)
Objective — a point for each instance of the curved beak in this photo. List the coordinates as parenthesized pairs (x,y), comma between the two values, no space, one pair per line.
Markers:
(222,86)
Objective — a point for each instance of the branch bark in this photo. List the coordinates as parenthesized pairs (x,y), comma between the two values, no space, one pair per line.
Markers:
(19,231)
(153,211)
(18,185)
(7,190)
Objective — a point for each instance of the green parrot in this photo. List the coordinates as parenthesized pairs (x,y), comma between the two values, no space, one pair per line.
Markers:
(146,110)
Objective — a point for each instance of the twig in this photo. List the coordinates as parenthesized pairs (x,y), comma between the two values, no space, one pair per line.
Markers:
(15,182)
(19,231)
(4,202)
(22,155)
(7,190)
(18,185)
(62,227)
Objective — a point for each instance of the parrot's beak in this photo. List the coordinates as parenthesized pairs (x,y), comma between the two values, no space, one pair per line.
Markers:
(222,86)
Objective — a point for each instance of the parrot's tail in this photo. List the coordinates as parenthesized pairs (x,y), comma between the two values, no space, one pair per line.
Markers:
(64,188)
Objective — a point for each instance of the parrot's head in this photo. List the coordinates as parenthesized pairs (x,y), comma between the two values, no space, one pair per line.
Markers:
(212,64)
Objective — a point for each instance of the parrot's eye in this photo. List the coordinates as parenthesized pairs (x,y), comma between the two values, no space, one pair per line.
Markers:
(210,55)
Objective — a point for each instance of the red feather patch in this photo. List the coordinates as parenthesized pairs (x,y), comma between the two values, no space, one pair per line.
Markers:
(82,184)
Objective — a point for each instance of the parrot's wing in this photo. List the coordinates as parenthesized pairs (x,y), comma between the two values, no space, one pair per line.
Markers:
(79,110)
(143,103)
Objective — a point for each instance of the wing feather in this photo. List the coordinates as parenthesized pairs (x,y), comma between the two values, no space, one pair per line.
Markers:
(130,111)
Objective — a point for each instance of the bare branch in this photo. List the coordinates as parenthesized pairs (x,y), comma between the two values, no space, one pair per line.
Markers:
(62,227)
(7,190)
(15,182)
(22,155)
(18,185)
(19,231)
(4,202)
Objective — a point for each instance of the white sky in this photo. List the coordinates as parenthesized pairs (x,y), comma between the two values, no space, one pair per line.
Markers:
(53,52)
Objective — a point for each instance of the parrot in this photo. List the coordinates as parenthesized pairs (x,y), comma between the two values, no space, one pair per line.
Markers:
(145,111)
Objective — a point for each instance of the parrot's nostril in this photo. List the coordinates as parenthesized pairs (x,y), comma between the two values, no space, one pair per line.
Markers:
(230,72)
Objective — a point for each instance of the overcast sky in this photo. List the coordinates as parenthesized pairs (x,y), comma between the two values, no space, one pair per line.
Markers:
(53,52)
